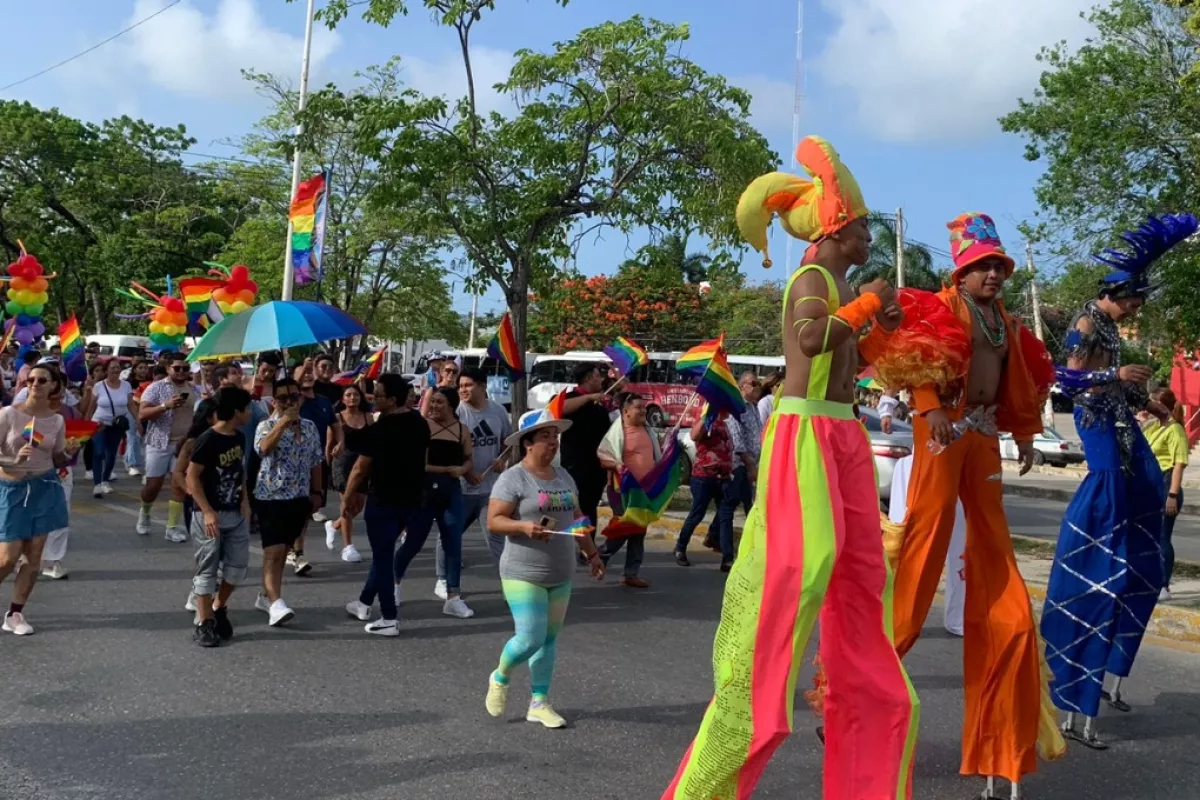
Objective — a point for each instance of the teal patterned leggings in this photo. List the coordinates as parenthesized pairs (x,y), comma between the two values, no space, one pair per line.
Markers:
(538,612)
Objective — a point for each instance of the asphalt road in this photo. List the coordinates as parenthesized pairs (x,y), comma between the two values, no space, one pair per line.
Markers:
(1041,519)
(111,700)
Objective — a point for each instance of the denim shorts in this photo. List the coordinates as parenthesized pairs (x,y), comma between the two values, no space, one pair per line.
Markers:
(32,507)
(228,554)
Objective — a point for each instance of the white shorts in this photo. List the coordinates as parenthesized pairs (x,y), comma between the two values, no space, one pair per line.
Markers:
(159,463)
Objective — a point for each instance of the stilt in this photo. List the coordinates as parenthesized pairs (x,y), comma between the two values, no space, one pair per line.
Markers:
(821,734)
(1113,698)
(989,793)
(1088,738)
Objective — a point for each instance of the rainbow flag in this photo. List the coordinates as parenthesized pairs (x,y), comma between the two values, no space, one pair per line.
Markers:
(645,501)
(503,348)
(198,300)
(718,386)
(307,216)
(696,360)
(71,342)
(81,429)
(556,409)
(627,355)
(31,435)
(371,368)
(580,527)
(8,332)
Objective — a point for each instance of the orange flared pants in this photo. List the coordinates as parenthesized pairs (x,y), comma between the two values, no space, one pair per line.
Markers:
(1000,646)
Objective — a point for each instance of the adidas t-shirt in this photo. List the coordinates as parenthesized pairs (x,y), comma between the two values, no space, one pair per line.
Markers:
(489,427)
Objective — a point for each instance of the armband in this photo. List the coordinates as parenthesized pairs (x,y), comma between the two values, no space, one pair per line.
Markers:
(1076,381)
(859,311)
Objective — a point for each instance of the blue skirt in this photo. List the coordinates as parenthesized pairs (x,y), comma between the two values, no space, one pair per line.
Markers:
(32,507)
(1108,569)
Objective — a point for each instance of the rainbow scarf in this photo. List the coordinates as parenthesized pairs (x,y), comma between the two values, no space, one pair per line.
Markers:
(71,341)
(626,355)
(307,216)
(645,501)
(696,360)
(503,348)
(32,435)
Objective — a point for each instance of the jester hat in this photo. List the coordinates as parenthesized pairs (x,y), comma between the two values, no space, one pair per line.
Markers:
(808,210)
(973,238)
(1150,242)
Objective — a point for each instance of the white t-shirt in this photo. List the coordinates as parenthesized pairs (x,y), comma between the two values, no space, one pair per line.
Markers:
(69,399)
(765,406)
(111,403)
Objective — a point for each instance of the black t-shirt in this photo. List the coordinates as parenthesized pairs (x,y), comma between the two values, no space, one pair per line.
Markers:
(396,446)
(330,391)
(221,455)
(577,452)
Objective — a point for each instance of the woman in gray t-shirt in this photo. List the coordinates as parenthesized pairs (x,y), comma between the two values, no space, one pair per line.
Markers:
(535,504)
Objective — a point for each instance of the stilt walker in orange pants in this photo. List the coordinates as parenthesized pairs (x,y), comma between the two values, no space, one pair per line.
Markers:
(957,457)
(812,544)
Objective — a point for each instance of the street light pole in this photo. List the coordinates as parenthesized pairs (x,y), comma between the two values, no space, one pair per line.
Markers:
(1038,330)
(289,273)
(899,248)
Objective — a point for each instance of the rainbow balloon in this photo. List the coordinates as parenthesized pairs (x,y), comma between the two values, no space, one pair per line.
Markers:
(27,296)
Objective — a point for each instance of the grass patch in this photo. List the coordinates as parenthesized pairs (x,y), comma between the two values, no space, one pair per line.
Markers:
(1036,548)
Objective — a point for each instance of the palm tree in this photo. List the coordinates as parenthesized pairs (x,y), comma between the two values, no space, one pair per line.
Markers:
(919,271)
(670,255)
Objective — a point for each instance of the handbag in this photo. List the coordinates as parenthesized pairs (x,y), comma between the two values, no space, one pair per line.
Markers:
(120,423)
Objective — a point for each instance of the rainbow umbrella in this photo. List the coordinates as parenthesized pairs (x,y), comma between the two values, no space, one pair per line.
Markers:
(275,326)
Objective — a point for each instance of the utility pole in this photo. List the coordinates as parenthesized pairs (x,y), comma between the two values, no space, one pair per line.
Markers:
(289,273)
(1038,330)
(900,248)
(474,313)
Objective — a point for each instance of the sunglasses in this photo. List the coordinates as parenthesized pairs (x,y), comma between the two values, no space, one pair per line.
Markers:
(37,381)
(180,369)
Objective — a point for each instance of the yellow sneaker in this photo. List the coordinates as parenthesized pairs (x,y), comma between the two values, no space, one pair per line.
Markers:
(497,695)
(543,713)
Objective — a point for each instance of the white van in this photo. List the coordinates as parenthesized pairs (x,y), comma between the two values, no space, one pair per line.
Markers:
(118,345)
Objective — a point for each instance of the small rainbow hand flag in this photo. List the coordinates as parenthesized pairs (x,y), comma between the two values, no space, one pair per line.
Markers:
(31,435)
(696,360)
(503,348)
(580,528)
(626,355)
(81,429)
(71,342)
(370,368)
(201,308)
(718,386)
(556,408)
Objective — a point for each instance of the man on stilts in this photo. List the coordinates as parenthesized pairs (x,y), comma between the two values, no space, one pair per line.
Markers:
(1108,568)
(812,543)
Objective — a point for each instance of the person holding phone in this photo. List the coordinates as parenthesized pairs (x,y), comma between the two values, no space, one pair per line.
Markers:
(532,504)
(167,408)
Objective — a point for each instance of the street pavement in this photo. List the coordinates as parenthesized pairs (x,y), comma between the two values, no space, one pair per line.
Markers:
(110,699)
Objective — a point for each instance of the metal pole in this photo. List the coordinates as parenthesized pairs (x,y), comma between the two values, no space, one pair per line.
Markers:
(289,275)
(1038,330)
(474,312)
(797,107)
(899,248)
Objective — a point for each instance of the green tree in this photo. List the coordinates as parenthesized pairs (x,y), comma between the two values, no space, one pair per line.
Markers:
(670,257)
(919,272)
(612,128)
(1117,124)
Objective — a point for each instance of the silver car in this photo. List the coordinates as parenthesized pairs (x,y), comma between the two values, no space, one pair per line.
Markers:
(888,448)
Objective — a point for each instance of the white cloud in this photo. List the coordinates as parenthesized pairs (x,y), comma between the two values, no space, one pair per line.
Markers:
(921,70)
(773,102)
(447,77)
(193,53)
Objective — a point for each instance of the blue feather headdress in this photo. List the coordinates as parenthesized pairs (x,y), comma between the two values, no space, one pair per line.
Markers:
(1147,244)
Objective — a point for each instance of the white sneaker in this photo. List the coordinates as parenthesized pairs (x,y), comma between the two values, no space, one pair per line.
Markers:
(15,623)
(383,627)
(98,490)
(134,472)
(439,589)
(350,553)
(455,607)
(1164,595)
(56,572)
(176,534)
(331,534)
(319,517)
(262,603)
(106,487)
(359,610)
(300,565)
(190,605)
(280,613)
(143,523)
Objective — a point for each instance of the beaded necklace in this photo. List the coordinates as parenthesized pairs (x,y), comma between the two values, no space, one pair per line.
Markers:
(994,330)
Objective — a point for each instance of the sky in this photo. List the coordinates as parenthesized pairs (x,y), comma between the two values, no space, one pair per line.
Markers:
(908,91)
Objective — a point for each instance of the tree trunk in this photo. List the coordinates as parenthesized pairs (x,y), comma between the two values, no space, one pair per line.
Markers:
(99,309)
(518,307)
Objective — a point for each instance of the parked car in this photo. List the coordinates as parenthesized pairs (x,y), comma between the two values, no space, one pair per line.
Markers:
(1060,402)
(1049,447)
(888,448)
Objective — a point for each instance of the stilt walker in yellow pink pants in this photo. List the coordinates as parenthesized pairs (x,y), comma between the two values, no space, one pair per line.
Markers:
(812,545)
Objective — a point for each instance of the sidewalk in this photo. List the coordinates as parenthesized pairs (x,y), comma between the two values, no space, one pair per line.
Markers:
(1177,619)
(1061,483)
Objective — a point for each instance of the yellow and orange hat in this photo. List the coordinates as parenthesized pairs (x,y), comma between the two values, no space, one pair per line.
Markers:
(808,210)
(973,237)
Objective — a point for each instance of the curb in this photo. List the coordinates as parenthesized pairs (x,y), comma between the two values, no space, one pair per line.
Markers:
(1066,495)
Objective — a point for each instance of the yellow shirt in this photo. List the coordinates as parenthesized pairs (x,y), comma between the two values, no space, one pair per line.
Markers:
(1169,443)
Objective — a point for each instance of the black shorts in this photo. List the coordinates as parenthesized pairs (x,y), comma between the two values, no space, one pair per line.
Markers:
(282,521)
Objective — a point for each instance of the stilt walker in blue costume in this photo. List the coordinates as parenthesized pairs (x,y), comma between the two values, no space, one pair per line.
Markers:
(1108,568)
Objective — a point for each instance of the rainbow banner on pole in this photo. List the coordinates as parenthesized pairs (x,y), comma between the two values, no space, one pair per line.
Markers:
(696,360)
(308,228)
(503,348)
(626,355)
(71,342)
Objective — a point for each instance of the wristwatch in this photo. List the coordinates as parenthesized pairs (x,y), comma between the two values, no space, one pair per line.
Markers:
(1173,495)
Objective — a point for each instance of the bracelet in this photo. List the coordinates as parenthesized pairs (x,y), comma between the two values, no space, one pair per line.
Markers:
(1173,495)
(858,311)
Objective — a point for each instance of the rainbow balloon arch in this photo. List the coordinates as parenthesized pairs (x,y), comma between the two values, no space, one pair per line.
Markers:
(28,292)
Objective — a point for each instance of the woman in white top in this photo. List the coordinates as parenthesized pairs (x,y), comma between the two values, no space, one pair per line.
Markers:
(111,406)
(32,503)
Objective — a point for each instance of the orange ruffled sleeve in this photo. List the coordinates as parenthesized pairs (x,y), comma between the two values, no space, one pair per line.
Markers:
(930,350)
